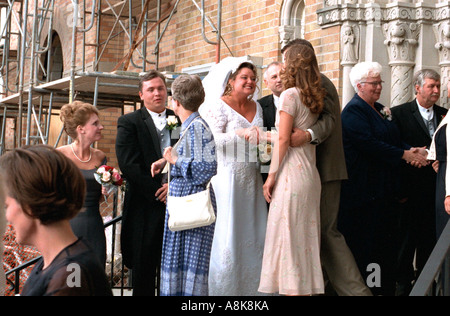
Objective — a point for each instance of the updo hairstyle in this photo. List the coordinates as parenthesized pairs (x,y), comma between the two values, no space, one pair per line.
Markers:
(76,114)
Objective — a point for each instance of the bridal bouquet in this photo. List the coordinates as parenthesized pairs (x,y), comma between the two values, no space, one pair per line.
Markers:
(109,177)
(264,153)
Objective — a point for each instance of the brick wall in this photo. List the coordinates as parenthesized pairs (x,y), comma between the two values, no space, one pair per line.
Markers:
(248,28)
(326,43)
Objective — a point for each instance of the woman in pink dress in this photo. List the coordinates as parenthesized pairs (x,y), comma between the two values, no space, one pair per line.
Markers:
(291,262)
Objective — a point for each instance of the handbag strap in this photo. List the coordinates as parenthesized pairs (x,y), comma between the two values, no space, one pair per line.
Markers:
(178,142)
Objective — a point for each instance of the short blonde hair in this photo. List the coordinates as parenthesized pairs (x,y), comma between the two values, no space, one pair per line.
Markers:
(364,70)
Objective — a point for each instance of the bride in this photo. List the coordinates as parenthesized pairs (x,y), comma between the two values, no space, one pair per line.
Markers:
(234,118)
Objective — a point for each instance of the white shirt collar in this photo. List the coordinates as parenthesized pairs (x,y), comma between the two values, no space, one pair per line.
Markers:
(427,114)
(159,119)
(276,100)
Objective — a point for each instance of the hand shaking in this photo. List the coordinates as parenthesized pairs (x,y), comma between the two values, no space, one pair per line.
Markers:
(416,157)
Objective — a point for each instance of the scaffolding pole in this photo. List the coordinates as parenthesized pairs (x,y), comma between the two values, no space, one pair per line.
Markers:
(33,99)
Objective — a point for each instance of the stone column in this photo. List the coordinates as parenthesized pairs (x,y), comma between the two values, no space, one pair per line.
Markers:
(442,31)
(401,41)
(349,57)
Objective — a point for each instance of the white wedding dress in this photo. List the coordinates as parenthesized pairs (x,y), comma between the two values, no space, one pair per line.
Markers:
(238,243)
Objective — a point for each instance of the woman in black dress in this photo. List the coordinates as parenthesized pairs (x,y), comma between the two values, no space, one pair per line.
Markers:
(82,124)
(44,190)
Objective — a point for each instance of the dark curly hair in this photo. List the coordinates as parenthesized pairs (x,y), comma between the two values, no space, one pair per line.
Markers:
(302,72)
(46,184)
(233,76)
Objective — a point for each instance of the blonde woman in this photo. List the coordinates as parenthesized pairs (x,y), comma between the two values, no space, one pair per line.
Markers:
(82,124)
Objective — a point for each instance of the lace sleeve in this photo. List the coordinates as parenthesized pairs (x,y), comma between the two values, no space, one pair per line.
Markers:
(218,119)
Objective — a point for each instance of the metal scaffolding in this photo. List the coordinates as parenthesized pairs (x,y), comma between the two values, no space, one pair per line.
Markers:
(34,86)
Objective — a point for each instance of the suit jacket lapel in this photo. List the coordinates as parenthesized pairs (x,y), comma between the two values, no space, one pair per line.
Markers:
(270,111)
(152,130)
(174,134)
(439,116)
(274,109)
(418,117)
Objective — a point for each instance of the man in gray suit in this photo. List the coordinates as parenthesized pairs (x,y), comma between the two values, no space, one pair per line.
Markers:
(337,260)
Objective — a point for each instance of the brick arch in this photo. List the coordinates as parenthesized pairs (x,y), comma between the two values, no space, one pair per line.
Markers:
(54,66)
(62,25)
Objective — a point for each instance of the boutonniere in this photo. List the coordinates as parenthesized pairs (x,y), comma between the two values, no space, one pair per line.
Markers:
(172,122)
(387,114)
(442,117)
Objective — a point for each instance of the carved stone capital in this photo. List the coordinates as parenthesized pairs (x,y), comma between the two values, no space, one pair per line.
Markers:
(368,11)
(442,31)
(401,41)
(287,33)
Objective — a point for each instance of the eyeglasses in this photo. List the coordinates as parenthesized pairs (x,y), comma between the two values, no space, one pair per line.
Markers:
(375,83)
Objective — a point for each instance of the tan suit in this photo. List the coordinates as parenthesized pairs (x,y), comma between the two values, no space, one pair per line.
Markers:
(328,135)
(337,259)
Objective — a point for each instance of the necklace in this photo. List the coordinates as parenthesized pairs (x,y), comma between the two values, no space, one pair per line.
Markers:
(82,161)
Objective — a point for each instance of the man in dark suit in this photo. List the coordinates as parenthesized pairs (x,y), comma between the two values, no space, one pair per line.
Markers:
(337,260)
(269,103)
(417,121)
(141,138)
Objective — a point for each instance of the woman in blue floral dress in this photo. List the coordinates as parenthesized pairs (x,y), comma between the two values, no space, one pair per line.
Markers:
(186,254)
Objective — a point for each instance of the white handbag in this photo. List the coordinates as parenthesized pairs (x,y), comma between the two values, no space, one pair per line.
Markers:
(191,211)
